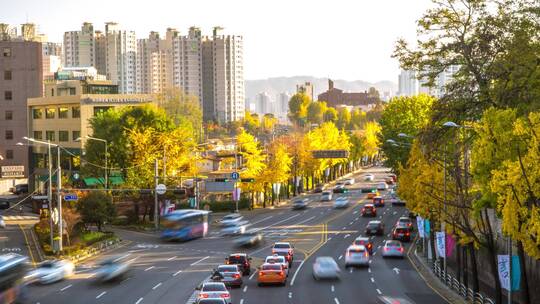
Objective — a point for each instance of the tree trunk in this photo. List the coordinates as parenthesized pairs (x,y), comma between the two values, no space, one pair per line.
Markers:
(458,260)
(492,255)
(465,267)
(474,265)
(524,282)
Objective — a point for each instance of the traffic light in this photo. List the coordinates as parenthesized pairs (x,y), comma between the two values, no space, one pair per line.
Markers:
(247,180)
(222,180)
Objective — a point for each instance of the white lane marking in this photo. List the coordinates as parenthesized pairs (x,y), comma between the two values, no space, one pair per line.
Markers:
(66,287)
(395,212)
(290,295)
(369,270)
(296,272)
(370,261)
(151,267)
(177,273)
(350,270)
(343,228)
(332,288)
(139,301)
(372,280)
(122,257)
(245,288)
(241,301)
(340,257)
(329,239)
(351,223)
(346,236)
(262,220)
(157,285)
(197,262)
(336,300)
(171,258)
(101,295)
(380,217)
(126,279)
(356,219)
(278,222)
(252,275)
(306,220)
(378,291)
(374,254)
(379,247)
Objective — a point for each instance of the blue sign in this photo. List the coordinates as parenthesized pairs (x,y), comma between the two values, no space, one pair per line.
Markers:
(235,175)
(70,197)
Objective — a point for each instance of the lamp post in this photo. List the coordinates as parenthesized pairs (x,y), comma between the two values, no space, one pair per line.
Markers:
(106,163)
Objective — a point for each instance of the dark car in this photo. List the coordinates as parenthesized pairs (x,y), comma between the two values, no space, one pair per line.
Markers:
(364,241)
(299,204)
(402,234)
(378,201)
(242,260)
(375,228)
(396,201)
(340,189)
(318,188)
(20,189)
(369,210)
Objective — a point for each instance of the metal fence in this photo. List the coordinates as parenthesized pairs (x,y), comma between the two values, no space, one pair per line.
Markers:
(468,294)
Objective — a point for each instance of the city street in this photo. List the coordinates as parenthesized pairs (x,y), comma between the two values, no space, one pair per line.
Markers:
(169,272)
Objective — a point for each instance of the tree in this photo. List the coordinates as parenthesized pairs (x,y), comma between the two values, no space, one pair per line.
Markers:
(371,141)
(182,108)
(268,123)
(331,115)
(96,208)
(344,118)
(373,93)
(358,119)
(298,105)
(315,112)
(251,122)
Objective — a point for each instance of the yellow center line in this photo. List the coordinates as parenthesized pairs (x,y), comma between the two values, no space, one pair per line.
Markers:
(28,245)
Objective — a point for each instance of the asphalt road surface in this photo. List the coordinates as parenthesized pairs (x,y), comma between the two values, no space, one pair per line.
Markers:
(169,272)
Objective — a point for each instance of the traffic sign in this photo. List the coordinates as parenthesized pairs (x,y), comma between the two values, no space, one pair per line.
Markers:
(161,189)
(330,153)
(70,197)
(235,175)
(40,197)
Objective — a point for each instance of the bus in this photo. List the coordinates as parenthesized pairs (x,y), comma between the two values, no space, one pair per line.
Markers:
(185,225)
(13,269)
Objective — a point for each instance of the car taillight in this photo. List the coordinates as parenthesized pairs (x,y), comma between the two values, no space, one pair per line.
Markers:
(386,248)
(236,276)
(281,273)
(366,254)
(407,234)
(261,273)
(224,295)
(203,295)
(400,249)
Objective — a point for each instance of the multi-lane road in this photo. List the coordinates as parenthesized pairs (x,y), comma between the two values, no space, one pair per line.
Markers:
(169,272)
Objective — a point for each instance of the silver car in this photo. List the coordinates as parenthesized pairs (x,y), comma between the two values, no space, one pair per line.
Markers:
(326,196)
(2,222)
(231,219)
(325,268)
(236,229)
(111,269)
(341,202)
(393,249)
(357,256)
(231,275)
(51,271)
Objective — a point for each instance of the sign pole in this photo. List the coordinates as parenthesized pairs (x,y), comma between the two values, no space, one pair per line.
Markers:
(510,269)
(49,194)
(156,177)
(59,189)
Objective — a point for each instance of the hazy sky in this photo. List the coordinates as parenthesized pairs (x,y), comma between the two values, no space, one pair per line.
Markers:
(342,39)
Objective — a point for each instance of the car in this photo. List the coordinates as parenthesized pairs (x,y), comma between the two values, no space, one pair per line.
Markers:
(278,259)
(325,267)
(357,256)
(382,186)
(111,269)
(393,248)
(396,201)
(369,177)
(364,241)
(51,271)
(378,201)
(340,189)
(2,222)
(368,190)
(211,301)
(341,202)
(236,229)
(405,221)
(249,238)
(389,181)
(20,189)
(4,204)
(369,210)
(271,274)
(401,233)
(349,181)
(299,204)
(214,290)
(231,219)
(242,260)
(375,228)
(285,249)
(326,196)
(373,194)
(231,275)
(393,177)
(318,188)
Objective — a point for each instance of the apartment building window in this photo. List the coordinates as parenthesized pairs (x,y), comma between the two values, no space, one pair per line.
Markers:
(63,135)
(9,115)
(7,75)
(63,112)
(50,113)
(6,52)
(8,95)
(9,134)
(37,113)
(9,154)
(75,112)
(75,135)
(38,135)
(52,92)
(49,135)
(72,91)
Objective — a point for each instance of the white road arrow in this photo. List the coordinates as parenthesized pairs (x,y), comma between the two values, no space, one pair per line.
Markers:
(396,270)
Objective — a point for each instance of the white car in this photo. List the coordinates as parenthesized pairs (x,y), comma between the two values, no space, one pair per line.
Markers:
(349,181)
(369,177)
(278,259)
(382,186)
(326,196)
(393,249)
(236,229)
(214,290)
(51,271)
(2,222)
(111,269)
(231,219)
(356,256)
(325,268)
(341,202)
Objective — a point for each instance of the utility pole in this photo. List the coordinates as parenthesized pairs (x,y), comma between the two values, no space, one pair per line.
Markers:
(510,269)
(156,180)
(59,190)
(49,193)
(443,223)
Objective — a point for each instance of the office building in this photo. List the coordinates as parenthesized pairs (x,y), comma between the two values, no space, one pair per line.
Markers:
(407,83)
(264,104)
(79,47)
(282,104)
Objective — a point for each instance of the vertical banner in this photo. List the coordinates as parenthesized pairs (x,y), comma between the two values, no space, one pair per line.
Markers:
(427,227)
(450,244)
(420,225)
(440,243)
(504,271)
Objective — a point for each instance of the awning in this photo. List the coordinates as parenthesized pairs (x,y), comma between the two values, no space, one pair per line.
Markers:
(113,180)
(92,181)
(116,180)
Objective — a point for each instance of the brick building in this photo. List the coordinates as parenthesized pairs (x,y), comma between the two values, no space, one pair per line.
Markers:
(335,97)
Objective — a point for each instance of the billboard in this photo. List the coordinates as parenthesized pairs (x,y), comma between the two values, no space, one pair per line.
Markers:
(330,153)
(12,171)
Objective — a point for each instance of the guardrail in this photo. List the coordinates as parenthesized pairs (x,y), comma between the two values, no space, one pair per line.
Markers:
(468,294)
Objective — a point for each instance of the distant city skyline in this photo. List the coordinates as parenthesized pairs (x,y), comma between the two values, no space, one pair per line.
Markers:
(350,40)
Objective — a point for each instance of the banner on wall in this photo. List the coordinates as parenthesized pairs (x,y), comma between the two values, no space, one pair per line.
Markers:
(504,271)
(440,243)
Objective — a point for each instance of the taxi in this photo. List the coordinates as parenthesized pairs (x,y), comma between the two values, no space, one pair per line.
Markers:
(372,195)
(271,274)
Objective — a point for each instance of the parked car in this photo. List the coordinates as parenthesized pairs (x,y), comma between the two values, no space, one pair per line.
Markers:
(326,196)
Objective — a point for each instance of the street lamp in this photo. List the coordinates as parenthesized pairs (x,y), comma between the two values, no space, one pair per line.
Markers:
(106,163)
(58,186)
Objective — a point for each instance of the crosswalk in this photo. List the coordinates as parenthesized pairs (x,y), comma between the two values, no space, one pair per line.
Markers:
(20,217)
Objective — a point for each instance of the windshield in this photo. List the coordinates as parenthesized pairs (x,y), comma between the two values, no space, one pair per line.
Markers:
(393,244)
(214,287)
(227,269)
(282,246)
(276,260)
(373,225)
(271,267)
(237,259)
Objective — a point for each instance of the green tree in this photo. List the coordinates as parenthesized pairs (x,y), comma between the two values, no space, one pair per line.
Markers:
(182,108)
(358,119)
(372,92)
(96,208)
(344,118)
(331,115)
(315,112)
(298,108)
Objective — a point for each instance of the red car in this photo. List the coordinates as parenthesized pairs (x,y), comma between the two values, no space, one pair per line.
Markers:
(402,234)
(369,210)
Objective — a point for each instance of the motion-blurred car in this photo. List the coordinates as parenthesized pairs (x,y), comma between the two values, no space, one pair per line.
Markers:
(278,259)
(236,229)
(364,241)
(374,228)
(214,290)
(357,256)
(369,210)
(378,201)
(401,233)
(242,260)
(325,268)
(392,249)
(373,194)
(349,181)
(248,239)
(340,189)
(405,222)
(299,204)
(231,219)
(231,275)
(51,271)
(285,249)
(111,269)
(382,186)
(2,222)
(369,177)
(318,188)
(326,196)
(389,181)
(341,202)
(271,274)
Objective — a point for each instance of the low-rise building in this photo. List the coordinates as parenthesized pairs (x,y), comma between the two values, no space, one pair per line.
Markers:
(335,97)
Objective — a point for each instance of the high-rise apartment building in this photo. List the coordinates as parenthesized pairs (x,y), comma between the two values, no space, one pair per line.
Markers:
(79,47)
(282,104)
(187,63)
(120,54)
(151,65)
(264,103)
(101,52)
(407,83)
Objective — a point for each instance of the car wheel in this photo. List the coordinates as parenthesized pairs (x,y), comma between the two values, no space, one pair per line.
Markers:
(315,277)
(259,284)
